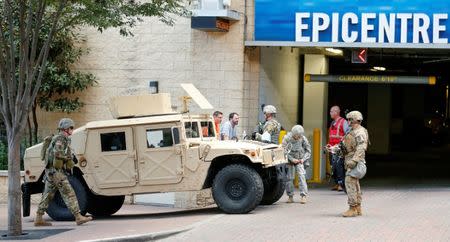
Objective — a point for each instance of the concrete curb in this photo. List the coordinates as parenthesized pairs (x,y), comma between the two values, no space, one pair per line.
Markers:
(155,235)
(5,173)
(143,237)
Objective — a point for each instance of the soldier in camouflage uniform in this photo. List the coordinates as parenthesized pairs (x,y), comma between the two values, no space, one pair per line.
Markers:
(58,160)
(355,145)
(298,153)
(271,127)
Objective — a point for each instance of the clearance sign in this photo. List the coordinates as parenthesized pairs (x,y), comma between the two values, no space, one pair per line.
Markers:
(374,79)
(349,22)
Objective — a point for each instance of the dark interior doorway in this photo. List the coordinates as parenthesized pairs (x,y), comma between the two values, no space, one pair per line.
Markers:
(419,142)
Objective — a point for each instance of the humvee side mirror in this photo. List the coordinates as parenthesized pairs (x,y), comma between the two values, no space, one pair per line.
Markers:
(175,135)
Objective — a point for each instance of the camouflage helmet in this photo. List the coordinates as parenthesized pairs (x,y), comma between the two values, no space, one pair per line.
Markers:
(298,130)
(355,115)
(270,109)
(66,123)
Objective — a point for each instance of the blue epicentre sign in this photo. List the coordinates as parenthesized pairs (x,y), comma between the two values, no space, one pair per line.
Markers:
(353,21)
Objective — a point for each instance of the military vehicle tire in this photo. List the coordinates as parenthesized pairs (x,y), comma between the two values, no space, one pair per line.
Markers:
(273,191)
(58,210)
(102,206)
(237,188)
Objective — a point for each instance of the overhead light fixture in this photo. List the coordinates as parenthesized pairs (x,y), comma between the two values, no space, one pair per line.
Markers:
(334,51)
(379,68)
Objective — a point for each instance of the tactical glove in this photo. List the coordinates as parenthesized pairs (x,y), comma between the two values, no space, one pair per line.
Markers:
(74,158)
(69,166)
(258,137)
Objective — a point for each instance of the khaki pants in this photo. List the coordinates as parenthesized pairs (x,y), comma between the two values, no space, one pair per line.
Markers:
(353,191)
(58,182)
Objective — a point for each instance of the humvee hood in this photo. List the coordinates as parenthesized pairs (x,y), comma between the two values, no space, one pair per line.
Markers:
(248,145)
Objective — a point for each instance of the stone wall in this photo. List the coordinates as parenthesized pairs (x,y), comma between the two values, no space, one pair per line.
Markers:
(251,88)
(171,55)
(279,86)
(4,189)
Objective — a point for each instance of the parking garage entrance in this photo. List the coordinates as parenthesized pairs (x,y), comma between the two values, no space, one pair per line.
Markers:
(408,123)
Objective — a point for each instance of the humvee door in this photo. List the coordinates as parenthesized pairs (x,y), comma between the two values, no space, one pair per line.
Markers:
(159,154)
(114,159)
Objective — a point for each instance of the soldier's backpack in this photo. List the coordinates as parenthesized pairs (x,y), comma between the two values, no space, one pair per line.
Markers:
(45,145)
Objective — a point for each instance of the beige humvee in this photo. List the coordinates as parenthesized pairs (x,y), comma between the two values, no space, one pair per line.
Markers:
(149,148)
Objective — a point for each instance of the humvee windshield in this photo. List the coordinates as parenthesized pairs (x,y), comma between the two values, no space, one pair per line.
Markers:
(207,129)
(192,129)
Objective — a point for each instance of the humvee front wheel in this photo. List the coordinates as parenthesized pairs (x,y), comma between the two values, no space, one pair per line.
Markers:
(57,209)
(101,206)
(237,189)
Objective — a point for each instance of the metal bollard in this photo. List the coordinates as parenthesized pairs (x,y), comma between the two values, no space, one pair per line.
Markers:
(316,156)
(281,136)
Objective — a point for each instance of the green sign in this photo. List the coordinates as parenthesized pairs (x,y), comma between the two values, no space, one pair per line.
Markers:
(430,80)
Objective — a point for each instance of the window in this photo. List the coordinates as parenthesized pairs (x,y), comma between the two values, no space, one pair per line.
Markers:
(191,130)
(207,129)
(113,141)
(157,138)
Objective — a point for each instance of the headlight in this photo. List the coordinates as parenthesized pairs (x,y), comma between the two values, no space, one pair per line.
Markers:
(251,153)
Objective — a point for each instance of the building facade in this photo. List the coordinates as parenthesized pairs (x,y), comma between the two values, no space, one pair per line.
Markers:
(262,55)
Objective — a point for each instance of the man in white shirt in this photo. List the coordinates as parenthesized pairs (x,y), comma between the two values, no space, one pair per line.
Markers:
(228,130)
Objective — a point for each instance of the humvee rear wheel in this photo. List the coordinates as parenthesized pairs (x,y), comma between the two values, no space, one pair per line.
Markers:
(237,189)
(273,191)
(57,208)
(101,206)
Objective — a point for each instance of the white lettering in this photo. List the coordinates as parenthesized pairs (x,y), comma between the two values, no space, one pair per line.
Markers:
(415,28)
(404,26)
(420,30)
(335,28)
(438,28)
(385,27)
(317,26)
(299,27)
(366,27)
(353,19)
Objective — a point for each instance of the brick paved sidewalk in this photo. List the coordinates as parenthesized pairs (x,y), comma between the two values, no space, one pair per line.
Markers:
(131,220)
(403,214)
(390,214)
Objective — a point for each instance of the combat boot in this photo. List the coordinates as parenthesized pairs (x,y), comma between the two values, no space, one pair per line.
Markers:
(358,210)
(303,199)
(339,189)
(80,219)
(39,221)
(290,199)
(351,212)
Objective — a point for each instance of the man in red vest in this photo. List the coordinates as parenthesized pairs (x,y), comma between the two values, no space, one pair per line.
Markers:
(338,128)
